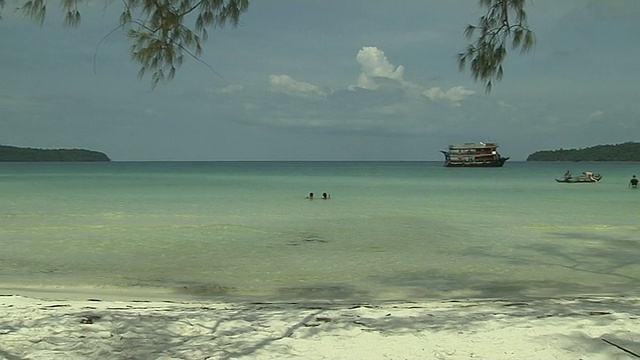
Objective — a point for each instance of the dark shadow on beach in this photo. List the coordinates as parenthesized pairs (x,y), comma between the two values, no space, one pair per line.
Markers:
(331,292)
(232,330)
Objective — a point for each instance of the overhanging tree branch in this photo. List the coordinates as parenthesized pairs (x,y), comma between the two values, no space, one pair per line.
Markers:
(161,31)
(495,31)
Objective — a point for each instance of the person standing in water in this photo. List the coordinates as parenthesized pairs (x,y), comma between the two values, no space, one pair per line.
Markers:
(325,196)
(310,196)
(633,183)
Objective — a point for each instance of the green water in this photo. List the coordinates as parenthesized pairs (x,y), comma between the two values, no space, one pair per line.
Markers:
(391,230)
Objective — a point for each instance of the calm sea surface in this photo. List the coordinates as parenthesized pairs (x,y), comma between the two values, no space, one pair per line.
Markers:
(391,230)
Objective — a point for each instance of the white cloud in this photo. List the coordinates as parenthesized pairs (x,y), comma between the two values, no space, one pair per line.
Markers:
(287,85)
(229,89)
(505,105)
(453,95)
(596,114)
(374,64)
(365,82)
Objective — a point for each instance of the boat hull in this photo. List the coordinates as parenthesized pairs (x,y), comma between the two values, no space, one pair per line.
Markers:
(581,180)
(494,163)
(576,181)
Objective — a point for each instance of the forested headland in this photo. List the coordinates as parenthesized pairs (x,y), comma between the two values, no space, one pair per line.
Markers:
(18,154)
(629,151)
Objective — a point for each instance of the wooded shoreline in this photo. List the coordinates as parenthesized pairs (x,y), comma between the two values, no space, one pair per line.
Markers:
(25,154)
(629,151)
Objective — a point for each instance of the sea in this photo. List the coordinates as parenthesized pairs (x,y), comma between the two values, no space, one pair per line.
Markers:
(395,230)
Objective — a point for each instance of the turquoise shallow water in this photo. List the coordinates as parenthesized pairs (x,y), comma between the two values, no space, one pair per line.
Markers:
(391,230)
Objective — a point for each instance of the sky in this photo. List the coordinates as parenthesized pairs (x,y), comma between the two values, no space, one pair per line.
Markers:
(324,80)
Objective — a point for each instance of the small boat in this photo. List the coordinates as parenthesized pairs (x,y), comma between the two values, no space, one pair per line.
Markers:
(586,177)
(473,155)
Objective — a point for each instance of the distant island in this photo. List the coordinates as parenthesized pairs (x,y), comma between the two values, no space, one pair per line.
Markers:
(24,154)
(629,151)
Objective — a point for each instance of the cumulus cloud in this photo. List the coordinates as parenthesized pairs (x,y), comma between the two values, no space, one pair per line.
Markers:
(374,64)
(453,95)
(287,85)
(596,114)
(229,89)
(505,105)
(381,94)
(376,69)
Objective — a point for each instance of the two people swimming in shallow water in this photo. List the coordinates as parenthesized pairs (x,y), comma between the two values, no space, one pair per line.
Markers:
(325,196)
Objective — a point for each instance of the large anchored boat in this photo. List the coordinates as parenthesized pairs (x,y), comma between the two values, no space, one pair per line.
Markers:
(473,155)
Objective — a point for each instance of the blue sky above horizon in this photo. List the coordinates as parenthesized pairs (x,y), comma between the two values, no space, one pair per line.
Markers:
(324,80)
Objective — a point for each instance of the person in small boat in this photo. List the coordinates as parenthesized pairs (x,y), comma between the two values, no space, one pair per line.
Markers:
(633,183)
(589,175)
(567,175)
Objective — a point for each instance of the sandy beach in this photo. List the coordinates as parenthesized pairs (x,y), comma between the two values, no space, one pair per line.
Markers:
(56,327)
